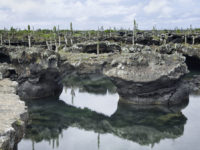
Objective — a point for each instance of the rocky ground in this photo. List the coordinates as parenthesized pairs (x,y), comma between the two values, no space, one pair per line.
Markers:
(13,115)
(140,70)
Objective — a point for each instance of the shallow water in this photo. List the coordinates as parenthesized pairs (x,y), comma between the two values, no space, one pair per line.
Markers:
(92,118)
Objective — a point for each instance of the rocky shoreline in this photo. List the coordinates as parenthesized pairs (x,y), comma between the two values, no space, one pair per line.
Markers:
(13,115)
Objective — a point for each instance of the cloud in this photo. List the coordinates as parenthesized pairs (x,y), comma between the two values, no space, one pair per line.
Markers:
(157,6)
(89,14)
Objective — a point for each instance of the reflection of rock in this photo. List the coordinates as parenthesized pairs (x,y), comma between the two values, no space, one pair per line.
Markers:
(142,75)
(148,124)
(194,83)
(40,83)
(142,124)
(91,83)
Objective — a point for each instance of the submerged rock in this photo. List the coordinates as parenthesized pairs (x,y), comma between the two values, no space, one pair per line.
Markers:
(40,83)
(149,77)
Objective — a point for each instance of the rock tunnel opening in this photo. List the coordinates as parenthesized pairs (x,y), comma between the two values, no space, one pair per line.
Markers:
(12,74)
(193,63)
(93,49)
(4,58)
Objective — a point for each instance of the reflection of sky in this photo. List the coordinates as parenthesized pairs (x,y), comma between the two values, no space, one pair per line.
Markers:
(79,139)
(105,104)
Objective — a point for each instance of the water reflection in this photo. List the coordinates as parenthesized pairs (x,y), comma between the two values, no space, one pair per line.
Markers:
(100,120)
(91,83)
(94,92)
(145,126)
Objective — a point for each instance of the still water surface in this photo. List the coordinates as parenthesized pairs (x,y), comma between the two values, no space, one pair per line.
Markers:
(90,117)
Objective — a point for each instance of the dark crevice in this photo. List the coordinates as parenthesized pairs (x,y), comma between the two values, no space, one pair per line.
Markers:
(193,63)
(4,58)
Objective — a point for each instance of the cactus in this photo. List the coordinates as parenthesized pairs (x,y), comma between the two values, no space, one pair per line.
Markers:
(154,30)
(71,28)
(48,45)
(98,42)
(71,36)
(10,34)
(29,41)
(59,38)
(133,38)
(29,36)
(89,34)
(71,41)
(134,31)
(110,33)
(191,29)
(55,31)
(9,41)
(193,40)
(59,41)
(66,40)
(185,39)
(98,47)
(51,43)
(56,45)
(9,38)
(1,39)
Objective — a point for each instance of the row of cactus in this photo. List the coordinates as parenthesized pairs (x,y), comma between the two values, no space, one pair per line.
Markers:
(55,36)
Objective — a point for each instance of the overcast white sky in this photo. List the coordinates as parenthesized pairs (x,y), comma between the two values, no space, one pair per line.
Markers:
(89,14)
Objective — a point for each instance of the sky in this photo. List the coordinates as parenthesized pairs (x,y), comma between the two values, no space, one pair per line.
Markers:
(91,14)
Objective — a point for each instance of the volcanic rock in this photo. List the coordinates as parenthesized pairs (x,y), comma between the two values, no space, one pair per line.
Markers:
(40,83)
(149,77)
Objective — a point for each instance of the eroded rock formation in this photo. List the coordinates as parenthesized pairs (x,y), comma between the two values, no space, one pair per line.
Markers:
(25,56)
(40,83)
(149,77)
